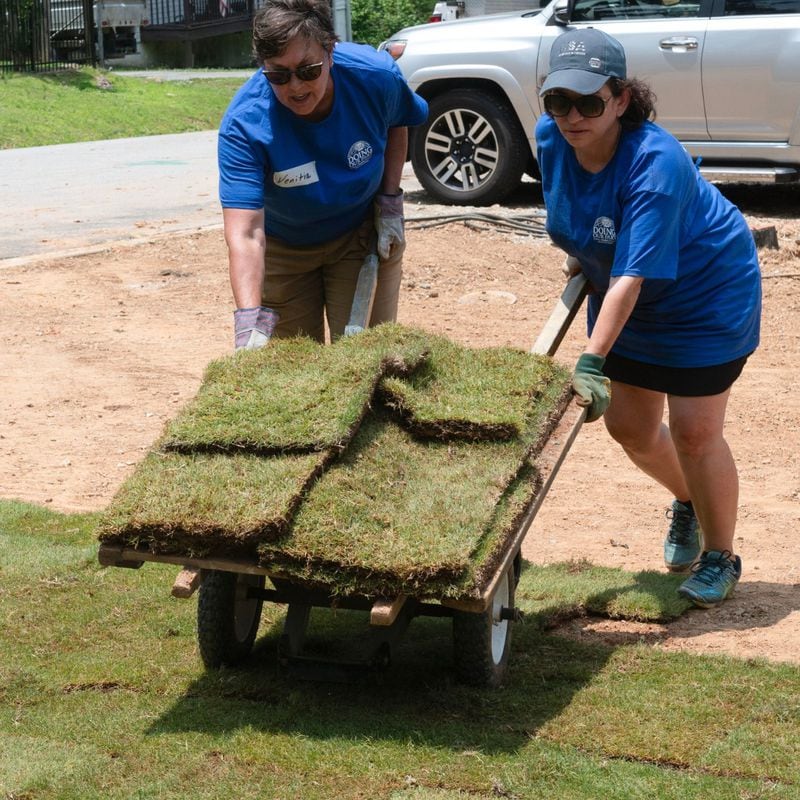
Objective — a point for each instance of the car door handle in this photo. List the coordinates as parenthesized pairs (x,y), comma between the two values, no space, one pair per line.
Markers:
(679,43)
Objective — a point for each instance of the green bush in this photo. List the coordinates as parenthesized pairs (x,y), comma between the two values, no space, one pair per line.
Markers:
(375,20)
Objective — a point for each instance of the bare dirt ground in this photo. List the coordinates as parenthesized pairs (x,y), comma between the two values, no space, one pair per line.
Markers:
(98,351)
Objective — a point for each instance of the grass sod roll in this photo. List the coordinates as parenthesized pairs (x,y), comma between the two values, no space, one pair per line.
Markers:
(209,505)
(470,394)
(294,395)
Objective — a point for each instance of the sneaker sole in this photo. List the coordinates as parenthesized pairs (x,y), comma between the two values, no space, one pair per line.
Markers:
(703,603)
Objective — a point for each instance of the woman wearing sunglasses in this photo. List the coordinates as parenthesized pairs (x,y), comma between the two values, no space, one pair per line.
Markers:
(676,301)
(311,152)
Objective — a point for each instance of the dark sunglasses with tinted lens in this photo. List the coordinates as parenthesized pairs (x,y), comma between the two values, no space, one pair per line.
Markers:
(280,77)
(588,105)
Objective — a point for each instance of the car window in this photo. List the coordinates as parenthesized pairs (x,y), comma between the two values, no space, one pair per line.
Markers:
(760,7)
(591,10)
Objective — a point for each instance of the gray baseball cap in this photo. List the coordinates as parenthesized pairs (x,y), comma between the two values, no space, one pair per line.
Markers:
(583,60)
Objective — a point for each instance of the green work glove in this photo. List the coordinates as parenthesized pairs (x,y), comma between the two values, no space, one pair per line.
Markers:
(591,386)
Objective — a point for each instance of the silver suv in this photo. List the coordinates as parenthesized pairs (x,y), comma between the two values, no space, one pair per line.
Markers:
(726,74)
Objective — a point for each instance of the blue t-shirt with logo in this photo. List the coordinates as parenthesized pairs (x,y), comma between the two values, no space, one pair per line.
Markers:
(649,213)
(315,180)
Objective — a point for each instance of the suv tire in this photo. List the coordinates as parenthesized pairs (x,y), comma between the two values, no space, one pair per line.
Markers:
(471,150)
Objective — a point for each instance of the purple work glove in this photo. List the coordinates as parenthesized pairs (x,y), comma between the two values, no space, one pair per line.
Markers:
(253,326)
(389,223)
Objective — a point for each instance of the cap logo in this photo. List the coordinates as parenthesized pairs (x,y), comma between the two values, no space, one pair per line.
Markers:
(574,47)
(581,59)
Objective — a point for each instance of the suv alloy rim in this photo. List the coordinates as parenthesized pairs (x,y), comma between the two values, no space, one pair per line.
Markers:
(461,150)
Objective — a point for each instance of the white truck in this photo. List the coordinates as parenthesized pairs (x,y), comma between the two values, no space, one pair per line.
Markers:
(116,26)
(448,10)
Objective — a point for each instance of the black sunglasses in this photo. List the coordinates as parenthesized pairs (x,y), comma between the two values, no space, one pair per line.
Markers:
(588,105)
(280,77)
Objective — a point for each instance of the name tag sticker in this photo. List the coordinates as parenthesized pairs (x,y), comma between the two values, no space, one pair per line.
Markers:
(296,176)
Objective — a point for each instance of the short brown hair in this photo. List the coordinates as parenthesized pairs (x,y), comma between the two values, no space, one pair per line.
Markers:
(642,105)
(278,22)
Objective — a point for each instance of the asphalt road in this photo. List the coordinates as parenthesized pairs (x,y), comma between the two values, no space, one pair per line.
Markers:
(73,197)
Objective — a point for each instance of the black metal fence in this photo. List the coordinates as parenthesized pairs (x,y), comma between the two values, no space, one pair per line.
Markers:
(44,35)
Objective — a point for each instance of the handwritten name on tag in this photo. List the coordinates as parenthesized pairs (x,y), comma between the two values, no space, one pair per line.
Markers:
(301,175)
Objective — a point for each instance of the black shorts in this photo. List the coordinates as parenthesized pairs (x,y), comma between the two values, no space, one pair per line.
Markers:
(680,381)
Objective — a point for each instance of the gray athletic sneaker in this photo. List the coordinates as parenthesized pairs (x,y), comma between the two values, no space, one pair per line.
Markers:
(713,578)
(684,538)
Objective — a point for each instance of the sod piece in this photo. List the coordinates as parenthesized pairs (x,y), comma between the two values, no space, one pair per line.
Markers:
(470,394)
(205,505)
(295,395)
(398,514)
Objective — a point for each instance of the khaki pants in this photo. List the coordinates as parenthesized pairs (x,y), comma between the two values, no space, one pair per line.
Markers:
(305,285)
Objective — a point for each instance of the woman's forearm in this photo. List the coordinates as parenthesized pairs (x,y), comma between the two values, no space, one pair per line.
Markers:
(394,159)
(244,236)
(617,306)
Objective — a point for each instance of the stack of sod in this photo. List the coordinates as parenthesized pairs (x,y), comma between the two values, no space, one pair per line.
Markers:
(232,468)
(429,515)
(277,460)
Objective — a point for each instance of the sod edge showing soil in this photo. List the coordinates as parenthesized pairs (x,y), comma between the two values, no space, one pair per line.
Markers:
(417,491)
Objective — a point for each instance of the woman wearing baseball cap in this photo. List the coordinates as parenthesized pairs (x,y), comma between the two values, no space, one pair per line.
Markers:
(676,302)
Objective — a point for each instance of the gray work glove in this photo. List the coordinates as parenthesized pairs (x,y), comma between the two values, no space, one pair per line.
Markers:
(253,327)
(389,223)
(591,387)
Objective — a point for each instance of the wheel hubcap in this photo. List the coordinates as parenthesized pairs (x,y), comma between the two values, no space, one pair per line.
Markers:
(500,626)
(461,150)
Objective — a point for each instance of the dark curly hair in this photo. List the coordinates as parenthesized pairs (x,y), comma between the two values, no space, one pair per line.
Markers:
(278,22)
(642,105)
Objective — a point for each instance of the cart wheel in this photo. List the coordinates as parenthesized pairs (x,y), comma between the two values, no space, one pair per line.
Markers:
(482,642)
(227,620)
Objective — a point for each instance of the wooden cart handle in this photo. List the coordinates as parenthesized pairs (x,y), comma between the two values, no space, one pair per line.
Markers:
(562,315)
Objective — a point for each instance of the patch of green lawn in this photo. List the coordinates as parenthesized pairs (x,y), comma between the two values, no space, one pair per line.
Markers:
(70,106)
(103,695)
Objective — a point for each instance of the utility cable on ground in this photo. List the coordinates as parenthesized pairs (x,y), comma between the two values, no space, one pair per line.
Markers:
(522,224)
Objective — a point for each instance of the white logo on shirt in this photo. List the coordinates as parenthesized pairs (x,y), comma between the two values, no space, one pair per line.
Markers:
(603,231)
(301,175)
(359,154)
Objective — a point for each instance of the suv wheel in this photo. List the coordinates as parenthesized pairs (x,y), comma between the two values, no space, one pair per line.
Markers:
(471,150)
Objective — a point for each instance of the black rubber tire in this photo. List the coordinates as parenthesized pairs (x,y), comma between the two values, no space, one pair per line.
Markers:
(471,150)
(227,622)
(517,567)
(482,642)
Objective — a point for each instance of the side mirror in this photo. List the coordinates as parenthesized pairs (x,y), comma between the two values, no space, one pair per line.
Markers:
(562,13)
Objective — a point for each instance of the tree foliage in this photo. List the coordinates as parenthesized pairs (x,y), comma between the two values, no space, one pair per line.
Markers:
(375,20)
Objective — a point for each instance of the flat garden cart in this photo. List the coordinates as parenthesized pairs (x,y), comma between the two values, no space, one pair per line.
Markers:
(232,592)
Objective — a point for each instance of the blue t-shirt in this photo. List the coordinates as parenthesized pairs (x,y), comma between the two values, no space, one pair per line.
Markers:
(649,213)
(315,180)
